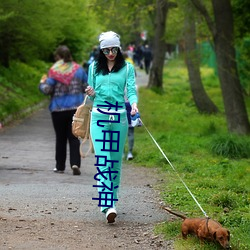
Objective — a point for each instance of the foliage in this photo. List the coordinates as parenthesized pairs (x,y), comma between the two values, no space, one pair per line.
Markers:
(219,183)
(127,17)
(241,17)
(27,33)
(242,37)
(243,60)
(19,88)
(175,25)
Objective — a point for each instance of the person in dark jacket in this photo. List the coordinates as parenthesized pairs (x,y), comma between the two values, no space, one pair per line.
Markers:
(147,54)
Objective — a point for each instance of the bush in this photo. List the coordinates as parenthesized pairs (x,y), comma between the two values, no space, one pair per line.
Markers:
(231,146)
(223,200)
(19,88)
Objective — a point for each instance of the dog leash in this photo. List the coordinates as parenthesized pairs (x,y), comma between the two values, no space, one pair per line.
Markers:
(174,169)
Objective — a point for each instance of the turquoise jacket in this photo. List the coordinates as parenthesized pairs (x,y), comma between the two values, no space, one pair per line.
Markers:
(111,87)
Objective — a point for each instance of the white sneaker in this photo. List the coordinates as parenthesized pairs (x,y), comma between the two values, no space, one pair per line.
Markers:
(58,171)
(111,215)
(129,156)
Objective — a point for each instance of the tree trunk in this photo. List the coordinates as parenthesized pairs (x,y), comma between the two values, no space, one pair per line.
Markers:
(235,109)
(223,38)
(201,99)
(159,47)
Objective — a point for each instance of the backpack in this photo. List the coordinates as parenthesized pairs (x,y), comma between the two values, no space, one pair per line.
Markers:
(81,126)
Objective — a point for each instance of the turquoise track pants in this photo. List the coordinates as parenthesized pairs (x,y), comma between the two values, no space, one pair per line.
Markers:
(112,136)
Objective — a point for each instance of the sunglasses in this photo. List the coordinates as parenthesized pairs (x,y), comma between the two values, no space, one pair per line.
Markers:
(106,51)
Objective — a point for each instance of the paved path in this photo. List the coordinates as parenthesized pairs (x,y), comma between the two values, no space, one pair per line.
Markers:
(31,191)
(141,78)
(26,163)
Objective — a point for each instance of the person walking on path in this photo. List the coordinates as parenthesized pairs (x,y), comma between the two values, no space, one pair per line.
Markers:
(131,129)
(65,84)
(147,54)
(108,78)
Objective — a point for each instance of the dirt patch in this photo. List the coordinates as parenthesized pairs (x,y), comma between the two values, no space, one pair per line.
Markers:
(50,234)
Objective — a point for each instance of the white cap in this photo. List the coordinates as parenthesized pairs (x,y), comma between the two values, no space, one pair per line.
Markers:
(109,39)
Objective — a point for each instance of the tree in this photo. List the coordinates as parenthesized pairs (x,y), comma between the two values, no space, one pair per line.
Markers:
(223,38)
(126,17)
(28,33)
(159,46)
(201,99)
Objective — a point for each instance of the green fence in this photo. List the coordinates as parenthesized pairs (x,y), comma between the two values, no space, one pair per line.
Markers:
(208,58)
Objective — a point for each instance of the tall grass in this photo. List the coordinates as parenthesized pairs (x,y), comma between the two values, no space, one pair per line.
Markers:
(214,164)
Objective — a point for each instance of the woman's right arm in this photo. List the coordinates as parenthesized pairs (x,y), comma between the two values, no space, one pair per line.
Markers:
(46,85)
(90,91)
(131,89)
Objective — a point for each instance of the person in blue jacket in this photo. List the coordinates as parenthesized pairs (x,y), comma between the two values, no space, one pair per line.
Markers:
(108,77)
(65,83)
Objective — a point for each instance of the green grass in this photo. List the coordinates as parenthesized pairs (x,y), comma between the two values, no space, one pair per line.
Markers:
(214,164)
(19,88)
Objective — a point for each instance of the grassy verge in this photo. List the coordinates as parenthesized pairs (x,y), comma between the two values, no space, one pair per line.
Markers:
(213,164)
(19,89)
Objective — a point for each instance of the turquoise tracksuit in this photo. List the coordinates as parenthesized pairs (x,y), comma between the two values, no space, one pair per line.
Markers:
(107,133)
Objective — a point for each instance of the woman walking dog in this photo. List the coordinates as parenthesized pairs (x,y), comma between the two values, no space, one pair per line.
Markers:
(108,78)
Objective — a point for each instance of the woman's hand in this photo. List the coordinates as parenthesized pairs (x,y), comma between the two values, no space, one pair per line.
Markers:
(134,109)
(43,79)
(90,91)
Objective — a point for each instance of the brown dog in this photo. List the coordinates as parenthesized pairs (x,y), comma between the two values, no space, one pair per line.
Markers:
(204,229)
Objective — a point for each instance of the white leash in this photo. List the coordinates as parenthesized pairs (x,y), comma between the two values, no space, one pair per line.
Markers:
(174,170)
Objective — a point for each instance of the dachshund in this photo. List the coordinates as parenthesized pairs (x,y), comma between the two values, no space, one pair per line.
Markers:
(204,229)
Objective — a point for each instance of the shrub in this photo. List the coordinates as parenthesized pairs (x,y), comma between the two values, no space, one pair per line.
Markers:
(223,200)
(231,146)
